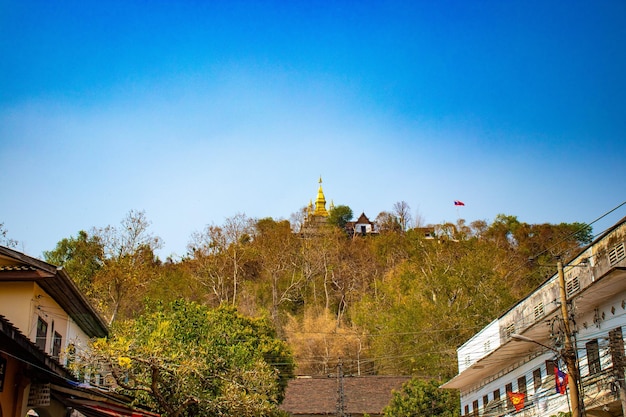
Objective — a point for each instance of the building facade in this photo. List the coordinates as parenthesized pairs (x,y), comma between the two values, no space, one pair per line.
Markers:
(361,227)
(44,320)
(520,351)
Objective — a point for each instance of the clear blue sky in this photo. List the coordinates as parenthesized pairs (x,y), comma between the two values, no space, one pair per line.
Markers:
(195,111)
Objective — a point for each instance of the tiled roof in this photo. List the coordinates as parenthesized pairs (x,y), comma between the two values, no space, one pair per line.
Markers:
(16,268)
(363,219)
(318,395)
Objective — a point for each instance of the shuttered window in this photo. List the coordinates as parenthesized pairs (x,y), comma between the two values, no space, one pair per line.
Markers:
(617,253)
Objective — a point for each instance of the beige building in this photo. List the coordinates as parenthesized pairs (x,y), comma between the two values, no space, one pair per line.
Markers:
(44,303)
(44,320)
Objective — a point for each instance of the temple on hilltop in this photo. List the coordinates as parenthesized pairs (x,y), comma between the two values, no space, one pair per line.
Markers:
(362,226)
(317,215)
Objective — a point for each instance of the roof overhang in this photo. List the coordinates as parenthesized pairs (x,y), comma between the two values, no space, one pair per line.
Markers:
(604,287)
(93,402)
(18,267)
(14,344)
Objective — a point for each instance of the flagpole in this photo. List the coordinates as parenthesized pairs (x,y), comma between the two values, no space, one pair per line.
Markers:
(569,402)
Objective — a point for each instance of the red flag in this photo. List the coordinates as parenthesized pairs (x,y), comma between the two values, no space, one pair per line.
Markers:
(458,203)
(560,378)
(517,399)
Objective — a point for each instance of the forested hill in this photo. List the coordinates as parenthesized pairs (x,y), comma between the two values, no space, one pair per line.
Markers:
(398,302)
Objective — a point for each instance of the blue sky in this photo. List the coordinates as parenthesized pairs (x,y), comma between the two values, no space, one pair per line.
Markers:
(194,111)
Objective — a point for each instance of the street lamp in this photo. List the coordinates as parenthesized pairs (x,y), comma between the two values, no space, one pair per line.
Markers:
(569,357)
(521,338)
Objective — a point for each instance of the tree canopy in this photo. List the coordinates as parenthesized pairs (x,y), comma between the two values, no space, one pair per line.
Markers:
(396,302)
(420,398)
(340,216)
(185,359)
(81,256)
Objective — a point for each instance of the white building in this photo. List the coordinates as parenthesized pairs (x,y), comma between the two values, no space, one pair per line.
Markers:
(493,363)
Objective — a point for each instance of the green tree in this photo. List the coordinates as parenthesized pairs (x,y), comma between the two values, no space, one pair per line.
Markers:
(81,256)
(431,299)
(174,281)
(420,398)
(185,359)
(542,243)
(340,216)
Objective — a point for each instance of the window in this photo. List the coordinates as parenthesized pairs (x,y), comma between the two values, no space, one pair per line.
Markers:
(537,379)
(616,344)
(550,365)
(509,330)
(538,310)
(572,286)
(617,253)
(508,388)
(593,357)
(485,400)
(467,410)
(468,361)
(521,384)
(42,331)
(475,408)
(496,394)
(56,345)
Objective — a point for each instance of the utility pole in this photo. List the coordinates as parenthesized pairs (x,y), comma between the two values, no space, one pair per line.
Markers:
(569,351)
(616,346)
(341,399)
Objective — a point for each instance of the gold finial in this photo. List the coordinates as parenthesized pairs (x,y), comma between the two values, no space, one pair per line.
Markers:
(320,202)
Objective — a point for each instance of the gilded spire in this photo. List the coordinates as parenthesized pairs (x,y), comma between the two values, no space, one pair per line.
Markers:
(320,202)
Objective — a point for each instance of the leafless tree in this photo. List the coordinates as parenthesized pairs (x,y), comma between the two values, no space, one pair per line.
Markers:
(403,211)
